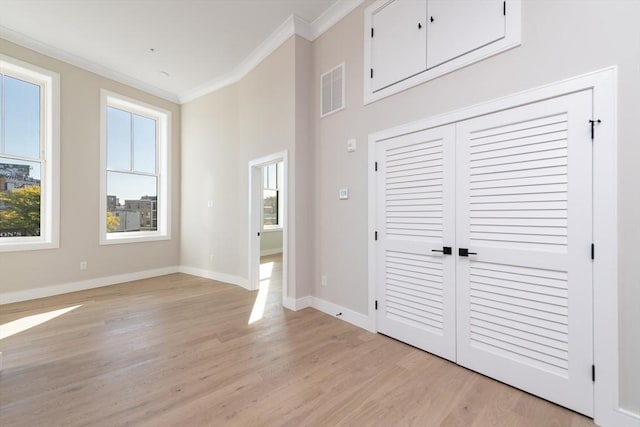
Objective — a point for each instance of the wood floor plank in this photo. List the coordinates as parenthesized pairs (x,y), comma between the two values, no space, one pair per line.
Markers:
(178,350)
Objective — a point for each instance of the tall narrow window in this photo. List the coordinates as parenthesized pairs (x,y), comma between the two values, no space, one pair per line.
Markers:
(135,171)
(28,157)
(271,200)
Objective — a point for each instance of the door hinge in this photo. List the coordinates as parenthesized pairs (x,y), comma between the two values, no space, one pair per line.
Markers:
(371,31)
(375,166)
(376,304)
(593,373)
(593,251)
(504,8)
(593,125)
(375,235)
(372,73)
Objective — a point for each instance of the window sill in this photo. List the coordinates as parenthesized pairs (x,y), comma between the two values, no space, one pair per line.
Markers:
(135,237)
(272,229)
(27,246)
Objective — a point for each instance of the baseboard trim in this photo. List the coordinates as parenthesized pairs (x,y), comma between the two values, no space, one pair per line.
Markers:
(357,319)
(65,288)
(620,418)
(297,304)
(214,275)
(271,251)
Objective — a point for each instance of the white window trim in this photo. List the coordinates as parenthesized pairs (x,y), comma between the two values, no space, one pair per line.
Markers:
(50,156)
(111,99)
(277,227)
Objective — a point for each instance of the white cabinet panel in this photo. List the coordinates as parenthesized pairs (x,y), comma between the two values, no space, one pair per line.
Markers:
(408,42)
(415,213)
(524,206)
(514,190)
(457,27)
(399,42)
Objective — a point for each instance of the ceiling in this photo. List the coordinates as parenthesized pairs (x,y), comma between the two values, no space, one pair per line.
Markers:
(201,44)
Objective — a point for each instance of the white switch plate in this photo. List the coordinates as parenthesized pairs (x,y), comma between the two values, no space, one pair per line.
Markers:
(210,203)
(83,265)
(344,193)
(351,145)
(323,281)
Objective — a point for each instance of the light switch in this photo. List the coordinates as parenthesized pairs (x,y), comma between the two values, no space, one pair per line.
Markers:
(351,145)
(344,193)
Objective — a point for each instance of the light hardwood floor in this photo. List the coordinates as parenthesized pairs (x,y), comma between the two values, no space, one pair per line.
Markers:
(178,350)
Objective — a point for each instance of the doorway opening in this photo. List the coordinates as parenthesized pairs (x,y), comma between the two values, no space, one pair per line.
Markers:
(268,231)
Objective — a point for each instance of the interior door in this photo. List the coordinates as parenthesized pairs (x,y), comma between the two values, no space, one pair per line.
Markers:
(399,42)
(524,213)
(415,221)
(456,27)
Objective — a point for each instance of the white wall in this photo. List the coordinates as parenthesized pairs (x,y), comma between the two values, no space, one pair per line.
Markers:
(270,242)
(222,132)
(23,272)
(560,39)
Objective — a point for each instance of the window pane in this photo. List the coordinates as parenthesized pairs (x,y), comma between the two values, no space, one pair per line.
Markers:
(19,198)
(270,208)
(118,139)
(132,202)
(270,177)
(21,118)
(144,144)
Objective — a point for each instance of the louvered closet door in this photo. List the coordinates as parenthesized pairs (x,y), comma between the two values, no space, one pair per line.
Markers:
(415,219)
(524,206)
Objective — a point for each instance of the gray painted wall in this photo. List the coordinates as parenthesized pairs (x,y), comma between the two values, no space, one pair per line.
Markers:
(560,39)
(80,190)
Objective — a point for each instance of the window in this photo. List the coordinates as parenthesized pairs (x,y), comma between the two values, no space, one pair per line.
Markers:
(135,171)
(29,175)
(271,200)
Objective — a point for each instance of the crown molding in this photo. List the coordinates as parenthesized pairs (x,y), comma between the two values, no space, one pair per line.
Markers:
(268,46)
(293,25)
(332,16)
(61,55)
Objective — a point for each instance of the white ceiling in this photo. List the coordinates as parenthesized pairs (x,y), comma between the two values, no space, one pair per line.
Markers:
(202,44)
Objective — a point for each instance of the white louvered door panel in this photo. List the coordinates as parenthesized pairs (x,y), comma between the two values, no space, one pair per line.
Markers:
(523,195)
(415,218)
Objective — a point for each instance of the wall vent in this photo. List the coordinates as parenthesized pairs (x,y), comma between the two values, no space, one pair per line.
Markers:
(332,89)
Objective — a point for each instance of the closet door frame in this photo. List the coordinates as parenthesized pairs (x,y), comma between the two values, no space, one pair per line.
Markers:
(603,83)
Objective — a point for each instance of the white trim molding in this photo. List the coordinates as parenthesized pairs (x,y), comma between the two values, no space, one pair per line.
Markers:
(61,55)
(48,83)
(267,252)
(98,282)
(603,84)
(343,313)
(214,275)
(254,226)
(293,25)
(297,304)
(357,319)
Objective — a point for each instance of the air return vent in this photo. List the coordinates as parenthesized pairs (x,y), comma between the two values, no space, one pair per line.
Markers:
(332,91)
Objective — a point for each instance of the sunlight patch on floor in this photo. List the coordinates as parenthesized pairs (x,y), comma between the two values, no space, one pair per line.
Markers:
(28,322)
(261,301)
(266,270)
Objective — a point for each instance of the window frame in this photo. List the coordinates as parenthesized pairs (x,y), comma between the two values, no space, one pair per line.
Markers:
(163,161)
(277,189)
(49,83)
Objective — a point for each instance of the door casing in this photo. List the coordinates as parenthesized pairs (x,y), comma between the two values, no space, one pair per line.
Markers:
(603,83)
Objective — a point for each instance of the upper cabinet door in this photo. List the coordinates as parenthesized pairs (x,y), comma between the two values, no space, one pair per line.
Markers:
(456,27)
(398,42)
